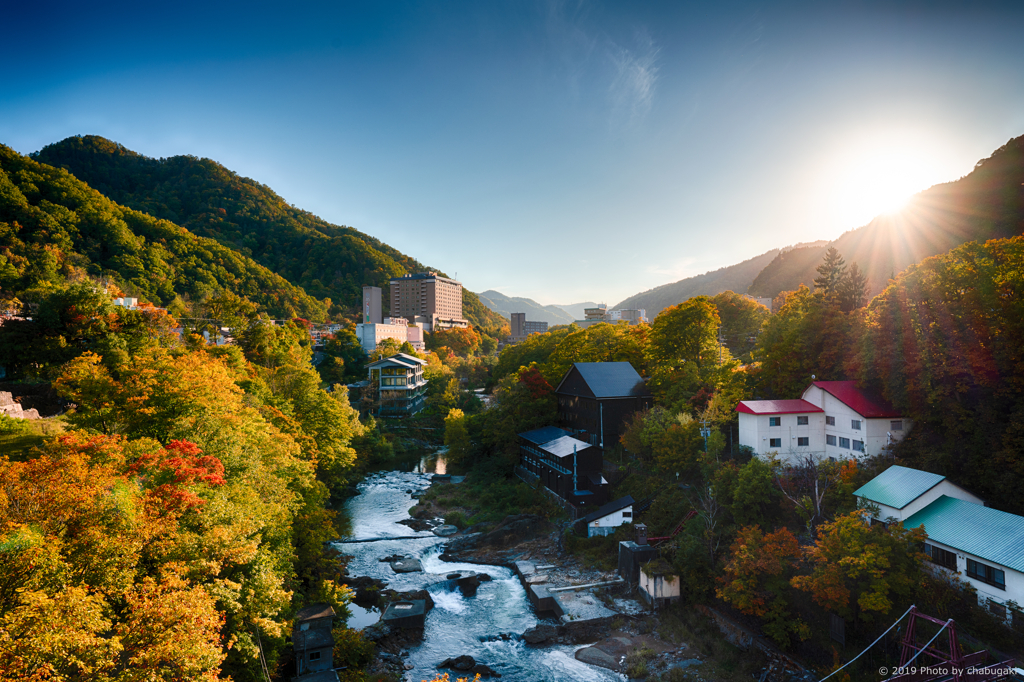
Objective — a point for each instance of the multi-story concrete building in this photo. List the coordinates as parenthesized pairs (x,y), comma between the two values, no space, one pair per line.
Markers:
(521,327)
(397,328)
(602,314)
(428,299)
(371,306)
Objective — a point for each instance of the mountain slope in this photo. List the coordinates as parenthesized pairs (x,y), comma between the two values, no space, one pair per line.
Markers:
(54,227)
(328,261)
(988,203)
(506,305)
(575,310)
(730,278)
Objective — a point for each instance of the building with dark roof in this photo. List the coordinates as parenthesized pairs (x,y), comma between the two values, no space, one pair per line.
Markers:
(596,398)
(608,518)
(313,643)
(399,383)
(833,419)
(566,466)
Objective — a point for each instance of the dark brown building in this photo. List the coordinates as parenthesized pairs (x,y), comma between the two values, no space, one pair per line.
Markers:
(596,398)
(564,465)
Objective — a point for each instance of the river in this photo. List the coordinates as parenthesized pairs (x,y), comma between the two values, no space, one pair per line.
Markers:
(457,625)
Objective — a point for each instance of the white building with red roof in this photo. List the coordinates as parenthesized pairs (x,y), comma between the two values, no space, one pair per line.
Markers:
(834,419)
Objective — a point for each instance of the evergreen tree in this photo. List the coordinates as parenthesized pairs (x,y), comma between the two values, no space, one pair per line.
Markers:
(831,273)
(853,289)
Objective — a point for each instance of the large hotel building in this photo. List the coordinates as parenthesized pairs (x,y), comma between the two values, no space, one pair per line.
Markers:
(428,299)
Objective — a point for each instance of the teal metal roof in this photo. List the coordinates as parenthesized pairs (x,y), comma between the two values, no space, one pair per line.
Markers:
(898,486)
(986,533)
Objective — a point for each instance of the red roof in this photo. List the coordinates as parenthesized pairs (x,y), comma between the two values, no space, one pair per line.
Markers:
(863,403)
(777,407)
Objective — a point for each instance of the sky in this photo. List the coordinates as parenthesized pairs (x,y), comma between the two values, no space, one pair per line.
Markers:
(561,151)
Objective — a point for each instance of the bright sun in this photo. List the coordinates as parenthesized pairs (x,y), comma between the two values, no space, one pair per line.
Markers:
(878,183)
(877,179)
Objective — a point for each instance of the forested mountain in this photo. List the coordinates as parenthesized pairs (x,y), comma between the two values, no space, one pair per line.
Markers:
(54,227)
(327,261)
(506,305)
(731,278)
(779,274)
(986,204)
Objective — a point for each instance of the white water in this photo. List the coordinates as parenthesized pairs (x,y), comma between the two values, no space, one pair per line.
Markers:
(457,625)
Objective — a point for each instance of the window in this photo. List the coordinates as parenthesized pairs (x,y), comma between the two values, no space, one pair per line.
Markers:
(830,440)
(803,442)
(896,425)
(855,424)
(314,655)
(986,574)
(858,445)
(775,442)
(801,421)
(627,514)
(844,443)
(774,421)
(997,609)
(940,556)
(830,421)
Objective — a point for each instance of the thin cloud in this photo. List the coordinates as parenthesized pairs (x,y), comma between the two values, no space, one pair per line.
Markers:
(635,76)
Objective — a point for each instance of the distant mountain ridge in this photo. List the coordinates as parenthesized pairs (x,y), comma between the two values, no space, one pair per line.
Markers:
(575,310)
(988,203)
(735,278)
(506,305)
(327,261)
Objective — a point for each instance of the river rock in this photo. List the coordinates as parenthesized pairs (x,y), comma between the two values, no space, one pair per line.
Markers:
(407,566)
(591,655)
(367,589)
(445,531)
(540,634)
(393,557)
(419,524)
(463,663)
(484,671)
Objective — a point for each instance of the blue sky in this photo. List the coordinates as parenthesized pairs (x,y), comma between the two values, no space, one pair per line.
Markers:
(563,151)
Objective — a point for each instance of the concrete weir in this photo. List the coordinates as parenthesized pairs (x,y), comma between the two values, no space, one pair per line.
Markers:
(567,603)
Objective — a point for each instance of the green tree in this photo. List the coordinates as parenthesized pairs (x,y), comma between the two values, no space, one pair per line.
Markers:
(683,351)
(456,436)
(741,319)
(856,568)
(853,290)
(831,273)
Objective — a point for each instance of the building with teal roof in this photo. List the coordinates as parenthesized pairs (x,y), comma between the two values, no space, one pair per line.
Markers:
(983,546)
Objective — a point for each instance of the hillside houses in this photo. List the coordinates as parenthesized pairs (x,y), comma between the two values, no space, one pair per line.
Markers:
(832,419)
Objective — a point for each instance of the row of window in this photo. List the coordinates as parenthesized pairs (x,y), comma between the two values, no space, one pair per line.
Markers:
(855,424)
(845,443)
(989,575)
(803,442)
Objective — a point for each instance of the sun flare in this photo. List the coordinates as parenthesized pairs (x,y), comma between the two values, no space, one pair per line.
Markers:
(877,180)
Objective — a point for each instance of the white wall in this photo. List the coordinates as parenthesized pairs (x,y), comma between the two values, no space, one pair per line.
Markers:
(756,433)
(606,525)
(1014,581)
(872,432)
(370,335)
(656,587)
